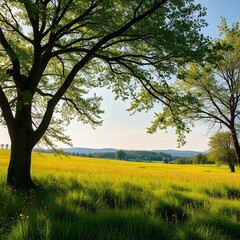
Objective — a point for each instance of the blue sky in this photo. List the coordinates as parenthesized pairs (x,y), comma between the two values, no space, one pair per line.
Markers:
(122,131)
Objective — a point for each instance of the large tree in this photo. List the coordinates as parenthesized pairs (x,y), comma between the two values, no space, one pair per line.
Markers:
(208,91)
(221,150)
(53,51)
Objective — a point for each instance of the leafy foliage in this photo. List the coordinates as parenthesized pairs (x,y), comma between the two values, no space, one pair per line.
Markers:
(208,90)
(221,148)
(199,159)
(120,154)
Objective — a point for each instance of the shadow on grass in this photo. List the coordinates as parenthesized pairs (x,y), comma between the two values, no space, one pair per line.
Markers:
(106,224)
(221,224)
(224,192)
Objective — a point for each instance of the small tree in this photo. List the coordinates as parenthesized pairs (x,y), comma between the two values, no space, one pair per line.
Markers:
(199,159)
(183,160)
(222,150)
(165,160)
(120,154)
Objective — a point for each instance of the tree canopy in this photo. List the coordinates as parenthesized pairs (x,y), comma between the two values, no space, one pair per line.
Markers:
(199,159)
(52,52)
(120,154)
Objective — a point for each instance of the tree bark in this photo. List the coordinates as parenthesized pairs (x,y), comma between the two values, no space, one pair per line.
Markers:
(19,175)
(236,145)
(232,167)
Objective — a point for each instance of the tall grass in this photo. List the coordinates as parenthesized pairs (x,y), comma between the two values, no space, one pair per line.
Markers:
(83,198)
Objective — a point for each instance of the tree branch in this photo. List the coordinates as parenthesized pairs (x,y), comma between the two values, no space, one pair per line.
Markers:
(16,29)
(13,57)
(6,111)
(58,95)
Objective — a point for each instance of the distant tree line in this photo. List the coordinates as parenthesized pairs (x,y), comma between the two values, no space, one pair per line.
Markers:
(197,159)
(129,155)
(142,156)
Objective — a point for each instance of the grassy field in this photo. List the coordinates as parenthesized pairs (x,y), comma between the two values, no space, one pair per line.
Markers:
(83,198)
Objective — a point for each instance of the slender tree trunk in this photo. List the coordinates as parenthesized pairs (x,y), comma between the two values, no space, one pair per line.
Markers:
(236,145)
(20,160)
(232,167)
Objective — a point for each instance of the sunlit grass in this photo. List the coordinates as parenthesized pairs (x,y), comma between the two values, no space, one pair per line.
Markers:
(84,198)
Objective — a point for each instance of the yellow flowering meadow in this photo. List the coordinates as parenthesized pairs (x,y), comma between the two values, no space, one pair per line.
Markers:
(70,165)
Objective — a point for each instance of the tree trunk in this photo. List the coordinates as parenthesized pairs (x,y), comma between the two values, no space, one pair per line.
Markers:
(20,160)
(236,145)
(232,167)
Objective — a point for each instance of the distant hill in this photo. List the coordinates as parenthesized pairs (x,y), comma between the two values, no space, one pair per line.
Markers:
(174,153)
(88,150)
